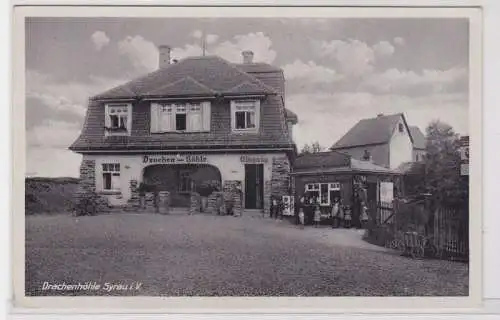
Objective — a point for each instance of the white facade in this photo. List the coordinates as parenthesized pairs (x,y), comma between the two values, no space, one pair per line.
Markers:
(230,165)
(400,146)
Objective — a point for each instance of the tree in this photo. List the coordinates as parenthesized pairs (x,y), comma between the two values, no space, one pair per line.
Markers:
(312,148)
(439,175)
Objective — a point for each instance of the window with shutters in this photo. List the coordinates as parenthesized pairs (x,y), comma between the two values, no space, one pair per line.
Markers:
(111,177)
(118,119)
(175,117)
(245,115)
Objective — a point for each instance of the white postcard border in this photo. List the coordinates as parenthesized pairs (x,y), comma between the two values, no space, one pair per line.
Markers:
(234,304)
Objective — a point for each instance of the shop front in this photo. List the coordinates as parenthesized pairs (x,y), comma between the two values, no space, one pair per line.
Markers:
(323,179)
(257,175)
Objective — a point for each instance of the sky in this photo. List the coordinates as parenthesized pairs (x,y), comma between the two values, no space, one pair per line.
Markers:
(337,70)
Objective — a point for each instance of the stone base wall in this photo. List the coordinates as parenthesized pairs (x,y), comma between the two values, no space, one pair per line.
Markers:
(267,197)
(134,202)
(88,202)
(280,177)
(214,202)
(232,196)
(195,203)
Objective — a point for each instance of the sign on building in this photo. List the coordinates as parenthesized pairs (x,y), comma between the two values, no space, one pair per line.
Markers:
(386,191)
(288,206)
(174,159)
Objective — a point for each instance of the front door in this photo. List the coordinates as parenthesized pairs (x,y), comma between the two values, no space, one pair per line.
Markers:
(254,180)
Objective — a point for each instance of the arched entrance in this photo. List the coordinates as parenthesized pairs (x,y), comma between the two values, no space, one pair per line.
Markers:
(181,179)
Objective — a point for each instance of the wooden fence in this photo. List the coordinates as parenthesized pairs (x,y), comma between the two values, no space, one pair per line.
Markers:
(447,227)
(451,232)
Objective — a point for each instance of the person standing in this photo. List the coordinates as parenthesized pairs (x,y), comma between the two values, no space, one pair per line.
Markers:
(301,218)
(335,213)
(317,216)
(364,215)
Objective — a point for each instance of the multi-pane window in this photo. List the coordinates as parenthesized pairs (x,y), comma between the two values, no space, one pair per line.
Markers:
(111,176)
(118,118)
(324,192)
(245,115)
(180,117)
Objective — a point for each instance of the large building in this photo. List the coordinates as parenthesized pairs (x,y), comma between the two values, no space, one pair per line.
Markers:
(386,140)
(192,122)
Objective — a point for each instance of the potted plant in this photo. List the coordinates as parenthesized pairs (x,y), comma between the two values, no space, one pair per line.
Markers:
(205,190)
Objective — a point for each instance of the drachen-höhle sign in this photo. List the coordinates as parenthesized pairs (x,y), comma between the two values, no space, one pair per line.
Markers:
(175,159)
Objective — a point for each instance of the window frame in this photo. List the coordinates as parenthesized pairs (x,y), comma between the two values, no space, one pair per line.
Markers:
(247,106)
(112,131)
(316,187)
(401,127)
(173,109)
(111,169)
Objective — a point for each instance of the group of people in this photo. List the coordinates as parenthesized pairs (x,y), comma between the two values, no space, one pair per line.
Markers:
(338,214)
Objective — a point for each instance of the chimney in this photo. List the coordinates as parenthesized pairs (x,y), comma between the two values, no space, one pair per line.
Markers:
(247,56)
(380,115)
(164,56)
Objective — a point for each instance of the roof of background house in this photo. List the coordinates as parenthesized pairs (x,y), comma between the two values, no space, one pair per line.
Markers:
(192,76)
(322,159)
(257,67)
(371,131)
(418,138)
(335,162)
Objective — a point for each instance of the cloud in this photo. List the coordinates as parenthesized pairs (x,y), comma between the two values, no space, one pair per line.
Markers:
(52,162)
(354,57)
(53,134)
(395,80)
(257,42)
(196,34)
(212,38)
(326,117)
(142,53)
(67,96)
(383,49)
(310,72)
(231,50)
(399,41)
(100,40)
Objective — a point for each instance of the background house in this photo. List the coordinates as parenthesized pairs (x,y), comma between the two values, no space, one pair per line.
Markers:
(386,140)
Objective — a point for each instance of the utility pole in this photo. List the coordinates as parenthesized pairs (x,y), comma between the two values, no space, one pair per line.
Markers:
(203,42)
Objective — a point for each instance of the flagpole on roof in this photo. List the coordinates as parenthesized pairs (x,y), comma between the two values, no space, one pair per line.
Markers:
(203,42)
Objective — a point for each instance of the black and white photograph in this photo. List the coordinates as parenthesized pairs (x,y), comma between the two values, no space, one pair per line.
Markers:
(248,156)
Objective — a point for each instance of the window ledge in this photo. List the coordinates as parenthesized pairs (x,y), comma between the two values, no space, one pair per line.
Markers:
(180,132)
(110,192)
(244,131)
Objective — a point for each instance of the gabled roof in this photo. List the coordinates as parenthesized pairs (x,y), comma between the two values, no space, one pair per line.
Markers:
(210,73)
(187,85)
(371,131)
(419,140)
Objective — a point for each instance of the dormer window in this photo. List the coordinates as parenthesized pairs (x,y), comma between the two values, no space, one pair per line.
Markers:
(118,119)
(180,117)
(245,115)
